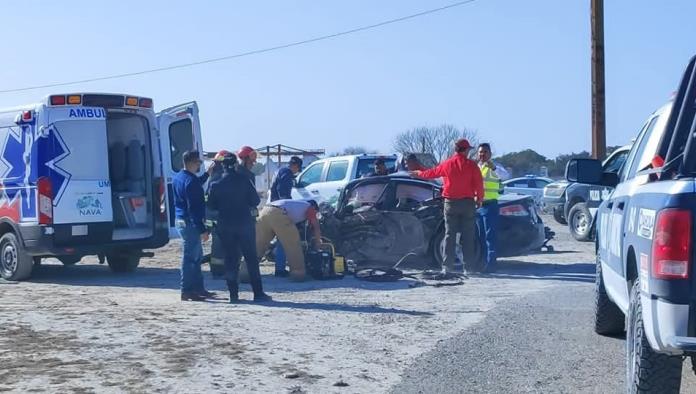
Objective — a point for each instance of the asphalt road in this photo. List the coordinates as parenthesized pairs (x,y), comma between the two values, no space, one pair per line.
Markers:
(542,343)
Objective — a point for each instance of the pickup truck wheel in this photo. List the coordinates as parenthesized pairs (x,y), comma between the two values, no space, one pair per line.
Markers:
(580,222)
(609,320)
(558,216)
(647,371)
(15,264)
(120,262)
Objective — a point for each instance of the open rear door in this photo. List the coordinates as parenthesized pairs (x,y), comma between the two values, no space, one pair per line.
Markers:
(180,131)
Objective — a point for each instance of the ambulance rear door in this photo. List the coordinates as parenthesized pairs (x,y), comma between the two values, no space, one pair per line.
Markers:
(180,131)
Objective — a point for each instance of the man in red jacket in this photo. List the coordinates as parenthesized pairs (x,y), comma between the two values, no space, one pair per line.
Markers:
(463,193)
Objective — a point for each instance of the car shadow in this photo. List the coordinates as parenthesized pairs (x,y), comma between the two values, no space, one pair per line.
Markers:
(512,269)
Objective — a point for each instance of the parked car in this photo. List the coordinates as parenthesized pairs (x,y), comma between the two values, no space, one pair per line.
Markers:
(645,246)
(582,199)
(529,185)
(382,219)
(324,179)
(553,200)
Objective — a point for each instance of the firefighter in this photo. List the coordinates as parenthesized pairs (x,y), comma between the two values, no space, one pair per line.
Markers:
(463,193)
(280,219)
(217,254)
(233,197)
(488,212)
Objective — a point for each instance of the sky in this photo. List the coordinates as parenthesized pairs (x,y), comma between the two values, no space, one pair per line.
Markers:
(516,71)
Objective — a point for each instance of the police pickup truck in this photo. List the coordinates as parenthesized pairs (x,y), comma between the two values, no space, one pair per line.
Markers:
(645,282)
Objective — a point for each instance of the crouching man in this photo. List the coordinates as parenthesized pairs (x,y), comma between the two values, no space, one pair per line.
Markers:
(280,219)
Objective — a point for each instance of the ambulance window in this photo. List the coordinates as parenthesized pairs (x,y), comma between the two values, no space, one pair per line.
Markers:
(180,140)
(648,145)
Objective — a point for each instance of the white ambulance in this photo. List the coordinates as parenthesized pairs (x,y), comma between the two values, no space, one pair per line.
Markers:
(89,174)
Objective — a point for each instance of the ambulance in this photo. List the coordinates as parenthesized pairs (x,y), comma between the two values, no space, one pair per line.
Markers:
(89,174)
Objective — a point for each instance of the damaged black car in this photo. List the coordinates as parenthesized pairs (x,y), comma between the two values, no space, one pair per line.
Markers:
(382,220)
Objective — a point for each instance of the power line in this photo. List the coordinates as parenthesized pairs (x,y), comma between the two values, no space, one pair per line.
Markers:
(244,54)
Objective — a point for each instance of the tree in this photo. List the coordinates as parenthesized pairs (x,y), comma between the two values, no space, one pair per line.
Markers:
(353,150)
(523,162)
(438,141)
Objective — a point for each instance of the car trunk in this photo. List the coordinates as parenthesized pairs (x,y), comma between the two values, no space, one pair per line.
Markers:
(130,174)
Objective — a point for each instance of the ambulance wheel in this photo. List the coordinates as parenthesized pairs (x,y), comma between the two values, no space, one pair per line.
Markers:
(15,264)
(120,262)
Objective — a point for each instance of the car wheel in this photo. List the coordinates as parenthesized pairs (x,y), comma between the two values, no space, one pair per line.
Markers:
(438,252)
(15,264)
(647,371)
(580,222)
(558,216)
(120,262)
(609,320)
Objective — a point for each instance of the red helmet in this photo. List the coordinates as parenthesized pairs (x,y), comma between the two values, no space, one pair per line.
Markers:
(221,155)
(245,152)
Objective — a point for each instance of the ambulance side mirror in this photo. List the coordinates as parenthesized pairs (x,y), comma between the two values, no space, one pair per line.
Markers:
(588,171)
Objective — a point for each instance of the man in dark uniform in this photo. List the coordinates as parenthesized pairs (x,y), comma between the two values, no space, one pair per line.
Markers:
(216,260)
(233,197)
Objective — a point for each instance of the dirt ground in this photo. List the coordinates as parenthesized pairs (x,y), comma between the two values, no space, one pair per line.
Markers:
(83,329)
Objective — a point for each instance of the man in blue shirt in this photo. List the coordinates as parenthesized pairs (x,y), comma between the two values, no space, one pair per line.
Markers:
(285,180)
(189,207)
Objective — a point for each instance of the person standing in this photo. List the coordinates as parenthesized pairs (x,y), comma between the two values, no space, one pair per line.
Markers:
(284,181)
(280,219)
(217,253)
(189,207)
(463,193)
(247,157)
(233,197)
(489,212)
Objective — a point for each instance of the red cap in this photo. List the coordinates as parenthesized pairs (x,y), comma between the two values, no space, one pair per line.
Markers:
(463,144)
(245,152)
(221,155)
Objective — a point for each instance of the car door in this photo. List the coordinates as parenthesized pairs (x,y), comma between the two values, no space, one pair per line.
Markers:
(336,178)
(308,182)
(620,212)
(179,131)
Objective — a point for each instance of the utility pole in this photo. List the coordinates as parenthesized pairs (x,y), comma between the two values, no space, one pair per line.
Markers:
(599,136)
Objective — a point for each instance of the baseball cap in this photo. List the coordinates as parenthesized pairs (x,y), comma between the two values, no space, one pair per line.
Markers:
(462,143)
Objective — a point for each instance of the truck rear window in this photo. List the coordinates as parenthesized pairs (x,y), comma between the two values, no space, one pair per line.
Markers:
(367,166)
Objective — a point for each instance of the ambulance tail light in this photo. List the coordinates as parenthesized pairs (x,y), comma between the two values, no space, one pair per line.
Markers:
(671,248)
(145,102)
(58,100)
(45,196)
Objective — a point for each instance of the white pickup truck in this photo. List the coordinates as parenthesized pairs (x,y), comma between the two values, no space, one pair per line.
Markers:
(324,179)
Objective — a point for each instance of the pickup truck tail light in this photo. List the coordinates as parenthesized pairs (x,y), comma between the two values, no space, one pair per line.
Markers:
(671,248)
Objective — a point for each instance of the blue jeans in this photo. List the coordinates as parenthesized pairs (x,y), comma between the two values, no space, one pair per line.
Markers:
(191,275)
(280,259)
(488,217)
